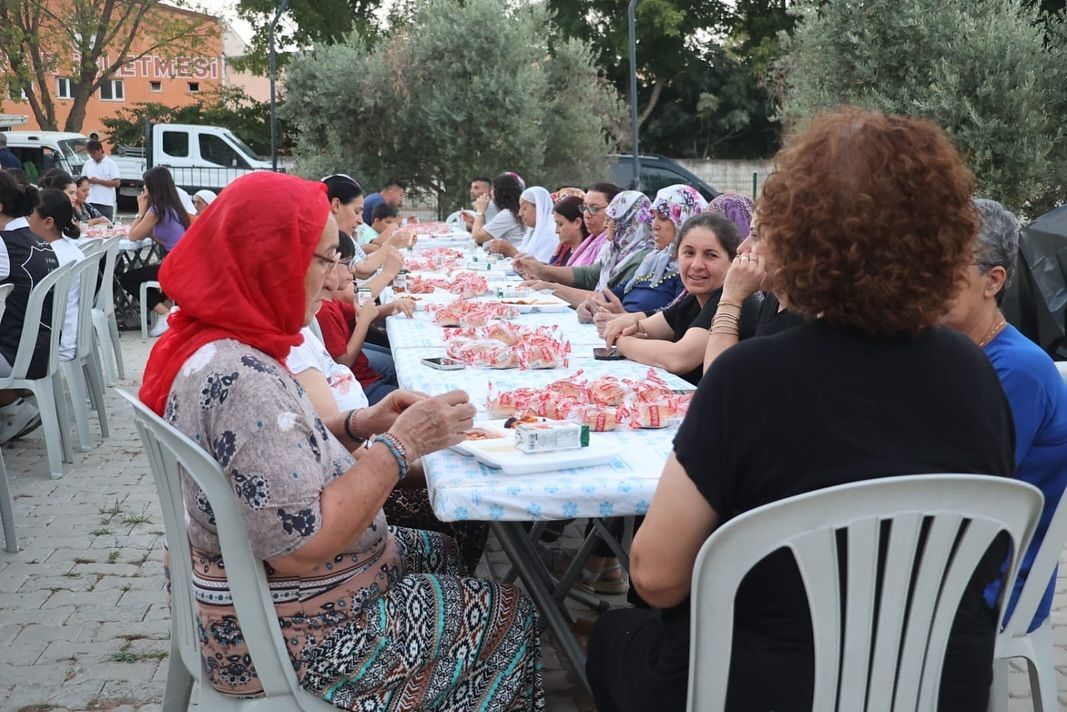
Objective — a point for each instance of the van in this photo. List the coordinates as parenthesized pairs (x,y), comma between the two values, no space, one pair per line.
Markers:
(657,172)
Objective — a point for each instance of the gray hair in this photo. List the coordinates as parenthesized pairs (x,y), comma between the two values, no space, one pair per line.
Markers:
(998,237)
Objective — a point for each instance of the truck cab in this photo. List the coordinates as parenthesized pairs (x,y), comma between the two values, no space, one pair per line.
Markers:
(202,156)
(41,151)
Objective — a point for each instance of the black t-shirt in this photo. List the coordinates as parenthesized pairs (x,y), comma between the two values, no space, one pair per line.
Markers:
(29,259)
(686,314)
(771,321)
(813,407)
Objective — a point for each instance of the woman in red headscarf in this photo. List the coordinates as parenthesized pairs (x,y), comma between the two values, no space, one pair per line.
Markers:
(374,615)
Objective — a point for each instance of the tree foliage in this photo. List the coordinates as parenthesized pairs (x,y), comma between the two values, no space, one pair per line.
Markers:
(462,89)
(39,38)
(982,71)
(229,107)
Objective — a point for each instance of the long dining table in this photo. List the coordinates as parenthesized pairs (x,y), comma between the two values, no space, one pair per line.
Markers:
(463,489)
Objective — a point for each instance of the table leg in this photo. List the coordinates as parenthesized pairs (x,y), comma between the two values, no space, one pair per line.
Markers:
(516,543)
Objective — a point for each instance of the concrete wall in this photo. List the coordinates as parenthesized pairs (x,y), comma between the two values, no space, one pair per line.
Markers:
(729,175)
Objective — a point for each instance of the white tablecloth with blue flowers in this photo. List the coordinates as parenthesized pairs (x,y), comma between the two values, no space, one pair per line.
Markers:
(461,488)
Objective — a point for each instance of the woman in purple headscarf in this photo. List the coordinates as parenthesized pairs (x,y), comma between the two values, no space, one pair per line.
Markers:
(739,208)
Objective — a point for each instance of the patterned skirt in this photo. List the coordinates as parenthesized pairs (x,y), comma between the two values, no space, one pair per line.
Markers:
(411,508)
(432,641)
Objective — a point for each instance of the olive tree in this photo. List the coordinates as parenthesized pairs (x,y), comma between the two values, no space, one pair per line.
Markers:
(462,89)
(982,71)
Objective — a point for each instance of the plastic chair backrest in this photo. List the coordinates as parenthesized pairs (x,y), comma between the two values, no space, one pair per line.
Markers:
(315,328)
(84,278)
(1045,561)
(5,289)
(882,648)
(50,292)
(169,454)
(105,296)
(456,218)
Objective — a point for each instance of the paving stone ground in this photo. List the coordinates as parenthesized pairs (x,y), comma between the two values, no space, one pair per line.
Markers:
(83,617)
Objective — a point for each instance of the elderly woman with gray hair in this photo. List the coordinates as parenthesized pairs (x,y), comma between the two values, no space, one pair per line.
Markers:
(1034,388)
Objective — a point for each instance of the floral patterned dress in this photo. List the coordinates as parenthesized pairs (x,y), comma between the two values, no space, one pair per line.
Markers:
(385,625)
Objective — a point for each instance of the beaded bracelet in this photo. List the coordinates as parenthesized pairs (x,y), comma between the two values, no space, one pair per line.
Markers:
(349,429)
(395,448)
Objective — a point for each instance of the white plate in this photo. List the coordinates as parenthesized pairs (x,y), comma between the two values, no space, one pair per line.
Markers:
(495,425)
(503,454)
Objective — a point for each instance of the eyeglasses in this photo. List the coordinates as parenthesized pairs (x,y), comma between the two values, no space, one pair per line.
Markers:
(591,209)
(328,262)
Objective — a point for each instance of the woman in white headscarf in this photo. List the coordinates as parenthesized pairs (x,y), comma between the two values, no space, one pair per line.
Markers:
(540,239)
(629,240)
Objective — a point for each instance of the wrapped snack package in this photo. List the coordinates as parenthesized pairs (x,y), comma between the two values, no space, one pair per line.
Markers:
(607,390)
(468,284)
(598,418)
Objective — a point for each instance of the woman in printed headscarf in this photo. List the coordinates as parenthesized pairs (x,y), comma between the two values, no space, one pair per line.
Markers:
(656,282)
(374,616)
(540,239)
(629,239)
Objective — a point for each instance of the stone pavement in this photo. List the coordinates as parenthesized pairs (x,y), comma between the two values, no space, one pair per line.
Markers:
(83,617)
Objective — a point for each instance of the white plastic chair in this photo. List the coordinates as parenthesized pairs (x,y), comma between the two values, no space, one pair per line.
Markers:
(1013,641)
(7,511)
(889,654)
(143,299)
(168,450)
(83,374)
(104,320)
(456,218)
(53,409)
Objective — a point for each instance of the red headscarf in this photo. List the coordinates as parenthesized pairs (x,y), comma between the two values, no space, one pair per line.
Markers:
(238,273)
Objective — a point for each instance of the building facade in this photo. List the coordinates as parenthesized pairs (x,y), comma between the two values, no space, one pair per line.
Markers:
(173,75)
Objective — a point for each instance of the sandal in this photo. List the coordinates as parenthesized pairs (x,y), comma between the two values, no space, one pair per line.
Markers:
(612,579)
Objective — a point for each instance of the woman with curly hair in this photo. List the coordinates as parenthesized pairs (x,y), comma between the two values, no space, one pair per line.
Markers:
(869,225)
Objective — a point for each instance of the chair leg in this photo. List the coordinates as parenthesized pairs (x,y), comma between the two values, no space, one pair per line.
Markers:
(107,349)
(94,375)
(62,418)
(52,414)
(74,376)
(113,327)
(179,683)
(1042,670)
(144,311)
(7,511)
(998,691)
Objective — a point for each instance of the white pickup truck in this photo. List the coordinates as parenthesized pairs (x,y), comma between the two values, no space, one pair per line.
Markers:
(198,156)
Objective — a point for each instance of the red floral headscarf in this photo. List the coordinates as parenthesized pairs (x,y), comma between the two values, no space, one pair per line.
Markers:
(238,273)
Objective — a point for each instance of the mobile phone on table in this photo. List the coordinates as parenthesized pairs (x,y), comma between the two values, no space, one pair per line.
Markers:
(443,363)
(605,354)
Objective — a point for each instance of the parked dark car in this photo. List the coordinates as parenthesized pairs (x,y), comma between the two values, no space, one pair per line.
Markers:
(656,172)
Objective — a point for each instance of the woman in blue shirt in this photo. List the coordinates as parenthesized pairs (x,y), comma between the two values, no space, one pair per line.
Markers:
(1034,388)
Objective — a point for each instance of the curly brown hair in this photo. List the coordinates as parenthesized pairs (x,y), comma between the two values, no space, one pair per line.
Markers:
(868,221)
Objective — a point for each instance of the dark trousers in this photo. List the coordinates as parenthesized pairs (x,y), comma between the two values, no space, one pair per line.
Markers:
(131,281)
(108,211)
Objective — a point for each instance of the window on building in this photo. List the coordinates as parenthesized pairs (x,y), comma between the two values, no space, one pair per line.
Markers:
(64,89)
(176,144)
(194,87)
(217,151)
(155,87)
(113,90)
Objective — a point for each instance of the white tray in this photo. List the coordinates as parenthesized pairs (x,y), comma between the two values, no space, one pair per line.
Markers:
(543,303)
(496,425)
(503,454)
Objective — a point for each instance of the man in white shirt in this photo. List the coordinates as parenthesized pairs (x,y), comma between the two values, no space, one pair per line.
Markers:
(103,175)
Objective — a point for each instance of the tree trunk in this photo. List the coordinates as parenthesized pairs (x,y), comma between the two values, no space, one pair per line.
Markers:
(657,89)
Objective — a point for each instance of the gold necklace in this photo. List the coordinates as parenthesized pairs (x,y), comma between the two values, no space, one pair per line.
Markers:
(993,331)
